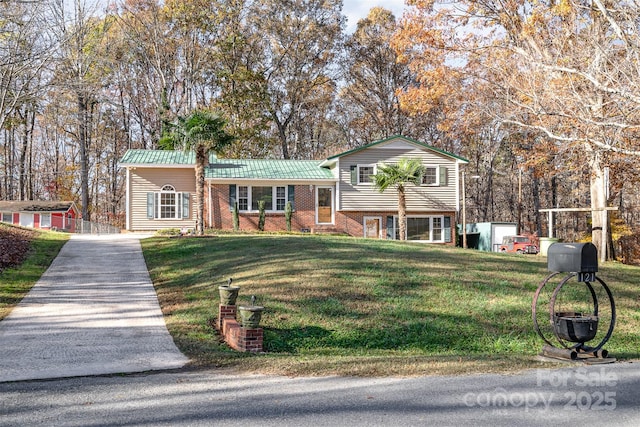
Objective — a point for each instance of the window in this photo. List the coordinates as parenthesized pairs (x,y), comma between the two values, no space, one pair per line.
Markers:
(281,198)
(45,220)
(418,228)
(26,219)
(423,228)
(365,174)
(243,198)
(275,198)
(167,204)
(262,194)
(430,176)
(7,217)
(437,229)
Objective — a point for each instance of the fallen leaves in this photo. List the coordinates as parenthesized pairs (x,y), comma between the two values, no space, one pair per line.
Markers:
(14,245)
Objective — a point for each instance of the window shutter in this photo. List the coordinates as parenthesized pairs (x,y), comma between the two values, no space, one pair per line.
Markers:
(390,228)
(151,205)
(185,205)
(443,176)
(232,196)
(447,229)
(291,193)
(354,174)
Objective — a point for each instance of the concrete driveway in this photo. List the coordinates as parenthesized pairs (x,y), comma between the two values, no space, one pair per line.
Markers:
(93,312)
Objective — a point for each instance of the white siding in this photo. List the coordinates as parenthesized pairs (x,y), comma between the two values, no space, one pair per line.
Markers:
(419,198)
(145,180)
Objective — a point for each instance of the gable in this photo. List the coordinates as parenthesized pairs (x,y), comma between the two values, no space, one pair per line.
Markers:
(399,143)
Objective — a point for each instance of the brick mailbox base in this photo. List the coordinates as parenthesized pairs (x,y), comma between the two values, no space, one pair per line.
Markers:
(237,337)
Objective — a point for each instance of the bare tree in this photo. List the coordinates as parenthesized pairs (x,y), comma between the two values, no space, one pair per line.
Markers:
(567,70)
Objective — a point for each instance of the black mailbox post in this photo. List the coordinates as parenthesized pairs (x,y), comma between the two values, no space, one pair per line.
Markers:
(573,329)
(572,258)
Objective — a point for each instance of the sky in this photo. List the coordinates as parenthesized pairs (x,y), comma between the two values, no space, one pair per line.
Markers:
(355,10)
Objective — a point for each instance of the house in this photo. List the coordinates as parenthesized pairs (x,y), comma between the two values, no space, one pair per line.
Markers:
(331,195)
(40,214)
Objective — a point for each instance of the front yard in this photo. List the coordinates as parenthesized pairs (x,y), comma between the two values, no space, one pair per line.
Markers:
(345,306)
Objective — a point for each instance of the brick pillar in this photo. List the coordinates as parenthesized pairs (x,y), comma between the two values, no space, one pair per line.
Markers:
(225,312)
(241,339)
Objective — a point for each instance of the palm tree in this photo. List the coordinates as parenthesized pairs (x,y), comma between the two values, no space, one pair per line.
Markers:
(399,175)
(202,132)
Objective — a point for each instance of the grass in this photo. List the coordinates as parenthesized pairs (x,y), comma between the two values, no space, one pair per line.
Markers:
(15,282)
(344,306)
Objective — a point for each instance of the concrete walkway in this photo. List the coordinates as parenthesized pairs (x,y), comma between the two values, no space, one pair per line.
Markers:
(93,312)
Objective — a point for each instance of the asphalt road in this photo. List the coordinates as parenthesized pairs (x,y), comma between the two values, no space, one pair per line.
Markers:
(571,395)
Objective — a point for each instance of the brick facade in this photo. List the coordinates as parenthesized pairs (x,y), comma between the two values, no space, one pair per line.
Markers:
(303,218)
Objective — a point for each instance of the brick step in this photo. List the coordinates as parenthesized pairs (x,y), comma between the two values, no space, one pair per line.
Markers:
(323,229)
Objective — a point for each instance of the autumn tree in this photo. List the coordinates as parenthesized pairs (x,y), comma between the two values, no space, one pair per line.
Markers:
(565,69)
(298,47)
(373,79)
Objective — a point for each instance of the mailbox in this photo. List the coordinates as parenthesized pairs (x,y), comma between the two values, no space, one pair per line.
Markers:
(572,258)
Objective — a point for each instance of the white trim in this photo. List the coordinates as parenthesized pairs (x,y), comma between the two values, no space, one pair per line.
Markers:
(177,205)
(47,214)
(375,170)
(458,195)
(431,218)
(338,204)
(127,202)
(274,198)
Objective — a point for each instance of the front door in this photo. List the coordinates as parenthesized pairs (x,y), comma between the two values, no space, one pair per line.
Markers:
(324,207)
(372,227)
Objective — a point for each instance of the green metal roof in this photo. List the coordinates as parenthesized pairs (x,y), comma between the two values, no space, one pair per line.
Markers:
(267,169)
(412,141)
(160,157)
(231,168)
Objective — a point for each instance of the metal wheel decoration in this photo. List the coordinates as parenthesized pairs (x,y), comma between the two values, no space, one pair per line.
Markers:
(566,330)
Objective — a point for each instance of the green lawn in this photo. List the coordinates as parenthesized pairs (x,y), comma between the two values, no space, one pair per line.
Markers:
(339,305)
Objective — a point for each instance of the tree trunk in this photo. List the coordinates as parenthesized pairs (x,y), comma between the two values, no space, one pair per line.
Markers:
(402,213)
(23,160)
(84,158)
(535,189)
(598,203)
(201,159)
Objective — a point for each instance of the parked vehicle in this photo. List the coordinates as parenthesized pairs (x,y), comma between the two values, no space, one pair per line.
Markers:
(518,244)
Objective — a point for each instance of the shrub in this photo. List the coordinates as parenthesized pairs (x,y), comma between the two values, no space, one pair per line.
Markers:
(261,218)
(236,217)
(288,211)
